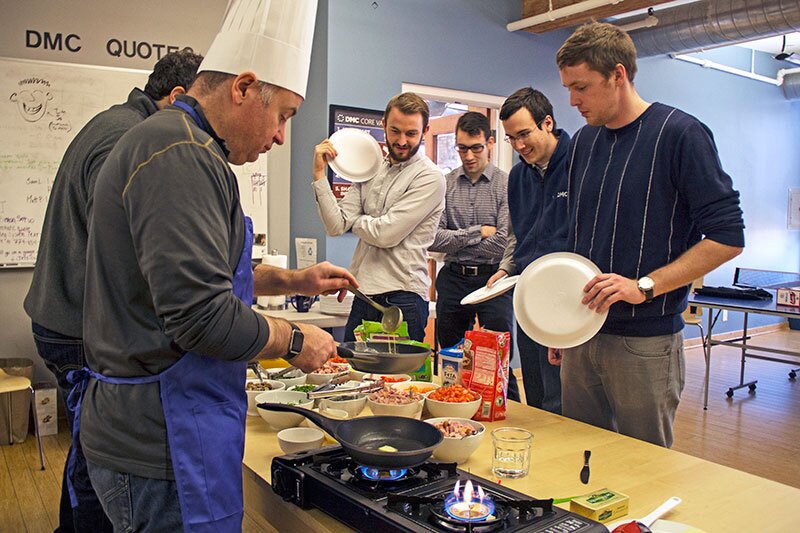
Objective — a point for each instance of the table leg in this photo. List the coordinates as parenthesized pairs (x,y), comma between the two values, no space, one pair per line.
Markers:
(707,355)
(750,384)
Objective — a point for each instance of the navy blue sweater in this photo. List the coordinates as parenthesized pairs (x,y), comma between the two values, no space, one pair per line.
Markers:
(640,196)
(538,207)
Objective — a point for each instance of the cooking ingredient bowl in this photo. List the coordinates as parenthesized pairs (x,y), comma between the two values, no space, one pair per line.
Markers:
(295,440)
(295,377)
(453,408)
(388,378)
(282,420)
(457,449)
(391,402)
(328,371)
(353,404)
(254,387)
(422,387)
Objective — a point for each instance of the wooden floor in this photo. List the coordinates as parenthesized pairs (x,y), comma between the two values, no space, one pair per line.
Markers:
(755,432)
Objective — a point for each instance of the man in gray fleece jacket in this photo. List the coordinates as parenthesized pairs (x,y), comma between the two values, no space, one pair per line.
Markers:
(55,298)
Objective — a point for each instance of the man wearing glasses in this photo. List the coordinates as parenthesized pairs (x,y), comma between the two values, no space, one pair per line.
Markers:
(537,204)
(472,233)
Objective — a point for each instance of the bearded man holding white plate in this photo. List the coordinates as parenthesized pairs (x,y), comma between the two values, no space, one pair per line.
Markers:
(394,213)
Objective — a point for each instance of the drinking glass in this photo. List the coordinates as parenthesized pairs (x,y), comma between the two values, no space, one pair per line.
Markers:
(511,452)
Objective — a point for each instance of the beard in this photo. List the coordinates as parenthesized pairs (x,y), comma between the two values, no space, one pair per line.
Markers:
(399,159)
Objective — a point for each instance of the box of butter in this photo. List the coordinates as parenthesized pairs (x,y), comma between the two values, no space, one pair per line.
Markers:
(601,505)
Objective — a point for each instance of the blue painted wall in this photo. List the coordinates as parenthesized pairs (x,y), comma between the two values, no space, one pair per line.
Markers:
(463,44)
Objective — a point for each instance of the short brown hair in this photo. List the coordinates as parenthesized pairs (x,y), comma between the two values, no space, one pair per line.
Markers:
(408,104)
(602,47)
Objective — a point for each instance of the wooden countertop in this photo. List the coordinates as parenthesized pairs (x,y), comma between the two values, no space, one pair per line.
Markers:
(715,498)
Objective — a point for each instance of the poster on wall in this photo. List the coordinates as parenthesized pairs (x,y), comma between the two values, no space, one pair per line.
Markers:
(368,120)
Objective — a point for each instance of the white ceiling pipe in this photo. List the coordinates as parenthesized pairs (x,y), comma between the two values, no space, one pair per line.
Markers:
(561,12)
(705,63)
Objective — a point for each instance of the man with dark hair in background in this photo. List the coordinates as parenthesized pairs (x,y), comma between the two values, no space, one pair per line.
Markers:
(473,232)
(394,215)
(537,203)
(651,206)
(55,298)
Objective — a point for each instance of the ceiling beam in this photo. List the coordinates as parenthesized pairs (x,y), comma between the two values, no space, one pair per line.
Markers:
(531,8)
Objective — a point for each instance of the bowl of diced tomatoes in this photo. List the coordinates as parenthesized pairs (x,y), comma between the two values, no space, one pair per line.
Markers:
(453,401)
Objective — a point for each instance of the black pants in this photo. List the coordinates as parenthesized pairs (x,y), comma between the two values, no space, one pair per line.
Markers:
(454,319)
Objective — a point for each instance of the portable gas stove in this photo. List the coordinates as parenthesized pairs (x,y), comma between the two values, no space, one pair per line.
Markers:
(430,497)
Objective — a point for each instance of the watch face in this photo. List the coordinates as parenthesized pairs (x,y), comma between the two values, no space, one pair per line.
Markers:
(296,345)
(646,284)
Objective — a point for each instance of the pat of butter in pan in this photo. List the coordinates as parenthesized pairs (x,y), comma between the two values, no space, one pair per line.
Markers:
(387,448)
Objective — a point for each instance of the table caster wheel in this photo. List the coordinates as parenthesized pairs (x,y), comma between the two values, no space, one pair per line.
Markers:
(752,387)
(792,374)
(729,394)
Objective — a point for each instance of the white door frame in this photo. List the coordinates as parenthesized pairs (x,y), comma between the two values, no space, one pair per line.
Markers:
(505,154)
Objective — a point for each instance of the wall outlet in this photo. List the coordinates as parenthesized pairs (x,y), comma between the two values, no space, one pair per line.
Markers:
(724,315)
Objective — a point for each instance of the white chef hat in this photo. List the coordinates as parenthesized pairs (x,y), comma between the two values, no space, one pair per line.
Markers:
(269,37)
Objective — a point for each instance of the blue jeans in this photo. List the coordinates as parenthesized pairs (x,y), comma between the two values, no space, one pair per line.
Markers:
(542,381)
(453,319)
(136,503)
(62,354)
(415,313)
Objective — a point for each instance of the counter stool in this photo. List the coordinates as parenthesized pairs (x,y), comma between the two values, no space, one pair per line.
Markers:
(9,384)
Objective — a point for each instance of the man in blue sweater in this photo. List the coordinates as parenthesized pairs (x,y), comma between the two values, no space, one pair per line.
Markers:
(537,205)
(651,206)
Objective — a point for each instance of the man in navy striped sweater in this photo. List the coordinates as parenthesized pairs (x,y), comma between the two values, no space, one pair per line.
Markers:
(651,206)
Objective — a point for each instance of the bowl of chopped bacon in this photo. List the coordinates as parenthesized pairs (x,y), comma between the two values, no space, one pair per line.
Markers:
(453,401)
(462,437)
(395,402)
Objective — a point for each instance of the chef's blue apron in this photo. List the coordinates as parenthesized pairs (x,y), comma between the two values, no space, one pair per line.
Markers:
(205,405)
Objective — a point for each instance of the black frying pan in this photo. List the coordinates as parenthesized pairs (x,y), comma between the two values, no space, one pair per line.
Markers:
(361,437)
(382,357)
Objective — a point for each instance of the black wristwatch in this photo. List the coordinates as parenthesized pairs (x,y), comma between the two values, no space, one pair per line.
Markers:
(646,286)
(295,343)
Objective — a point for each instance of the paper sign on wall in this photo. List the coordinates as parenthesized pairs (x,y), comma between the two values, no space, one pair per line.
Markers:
(794,209)
(306,250)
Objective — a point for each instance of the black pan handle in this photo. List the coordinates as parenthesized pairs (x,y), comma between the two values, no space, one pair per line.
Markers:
(328,424)
(347,353)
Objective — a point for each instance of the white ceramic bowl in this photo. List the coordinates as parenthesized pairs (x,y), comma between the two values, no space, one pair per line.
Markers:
(422,387)
(452,409)
(295,440)
(453,450)
(337,414)
(251,394)
(320,378)
(353,404)
(295,377)
(410,410)
(278,419)
(362,376)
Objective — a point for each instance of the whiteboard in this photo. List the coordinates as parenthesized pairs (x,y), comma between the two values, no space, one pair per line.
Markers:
(43,105)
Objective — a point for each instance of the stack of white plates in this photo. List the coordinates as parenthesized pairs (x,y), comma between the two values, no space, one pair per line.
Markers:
(331,306)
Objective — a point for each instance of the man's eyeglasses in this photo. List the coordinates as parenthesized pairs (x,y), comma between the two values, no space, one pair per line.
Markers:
(511,139)
(475,148)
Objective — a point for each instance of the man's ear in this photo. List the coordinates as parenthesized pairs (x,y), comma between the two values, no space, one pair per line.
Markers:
(241,84)
(175,92)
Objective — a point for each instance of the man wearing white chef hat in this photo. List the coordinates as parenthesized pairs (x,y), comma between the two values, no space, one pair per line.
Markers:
(169,325)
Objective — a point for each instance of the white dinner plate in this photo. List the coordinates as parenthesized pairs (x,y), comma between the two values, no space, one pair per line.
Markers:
(659,526)
(485,293)
(547,301)
(358,156)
